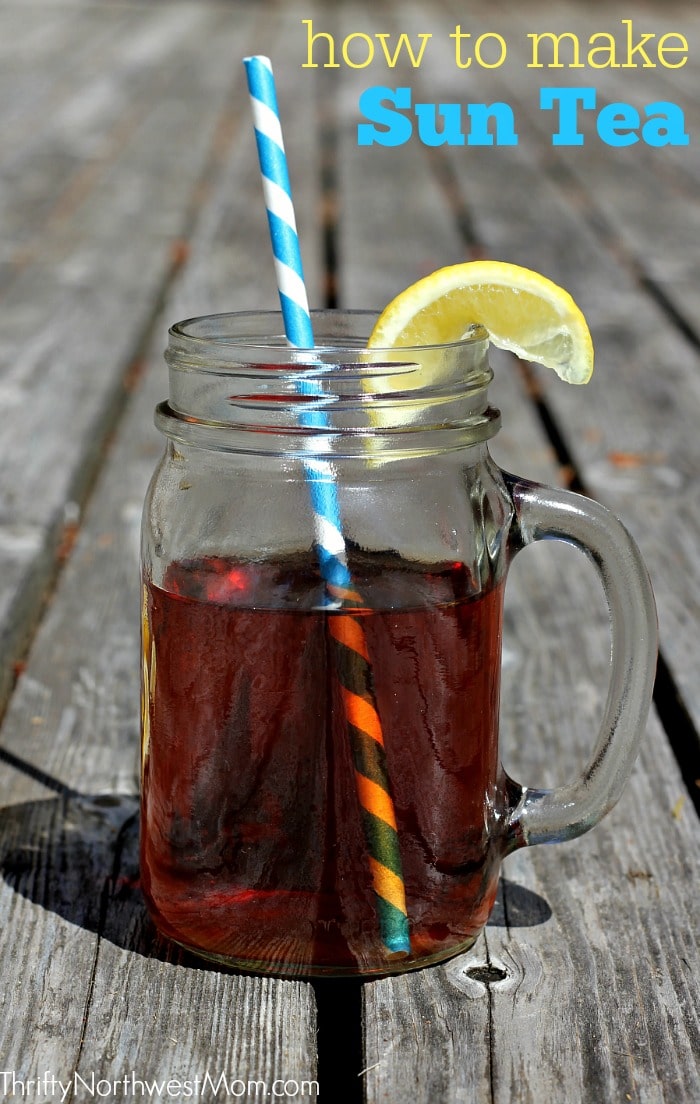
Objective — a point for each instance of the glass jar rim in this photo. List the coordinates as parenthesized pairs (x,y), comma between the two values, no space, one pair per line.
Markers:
(235,378)
(236,330)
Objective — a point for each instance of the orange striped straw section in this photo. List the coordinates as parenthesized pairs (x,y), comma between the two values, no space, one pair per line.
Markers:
(371,776)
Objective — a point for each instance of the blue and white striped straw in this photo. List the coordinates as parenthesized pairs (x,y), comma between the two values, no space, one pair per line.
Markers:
(385,857)
(295,307)
(278,202)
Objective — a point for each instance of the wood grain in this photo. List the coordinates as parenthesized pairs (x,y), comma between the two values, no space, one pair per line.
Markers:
(576,1004)
(94,992)
(95,243)
(129,197)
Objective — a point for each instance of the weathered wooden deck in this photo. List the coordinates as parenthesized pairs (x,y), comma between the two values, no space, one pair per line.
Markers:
(129,198)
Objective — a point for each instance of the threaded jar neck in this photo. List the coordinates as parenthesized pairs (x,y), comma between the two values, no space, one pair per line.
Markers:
(236,385)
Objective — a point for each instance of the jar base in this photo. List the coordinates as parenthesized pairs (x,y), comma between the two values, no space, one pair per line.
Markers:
(391,968)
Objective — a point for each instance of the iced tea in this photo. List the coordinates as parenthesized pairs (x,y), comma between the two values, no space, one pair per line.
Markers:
(253,848)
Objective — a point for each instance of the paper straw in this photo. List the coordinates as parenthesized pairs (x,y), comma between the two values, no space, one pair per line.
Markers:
(278,203)
(347,632)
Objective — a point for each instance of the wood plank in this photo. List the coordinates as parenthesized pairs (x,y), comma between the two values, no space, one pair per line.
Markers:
(635,444)
(598,1000)
(69,898)
(665,180)
(103,253)
(638,449)
(578,1002)
(578,1007)
(66,106)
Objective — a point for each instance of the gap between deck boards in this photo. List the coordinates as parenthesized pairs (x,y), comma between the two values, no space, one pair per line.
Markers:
(340,1038)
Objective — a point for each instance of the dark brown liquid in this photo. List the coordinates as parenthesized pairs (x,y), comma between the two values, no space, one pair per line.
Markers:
(252,841)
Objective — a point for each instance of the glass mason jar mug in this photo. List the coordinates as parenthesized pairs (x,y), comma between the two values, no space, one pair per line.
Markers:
(325,546)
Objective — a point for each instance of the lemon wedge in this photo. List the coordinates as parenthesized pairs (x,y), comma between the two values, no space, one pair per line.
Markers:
(522,311)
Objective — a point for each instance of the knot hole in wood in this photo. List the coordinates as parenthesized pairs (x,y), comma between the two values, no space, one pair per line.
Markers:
(486,974)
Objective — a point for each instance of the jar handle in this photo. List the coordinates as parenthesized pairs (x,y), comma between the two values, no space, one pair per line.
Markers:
(546,513)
